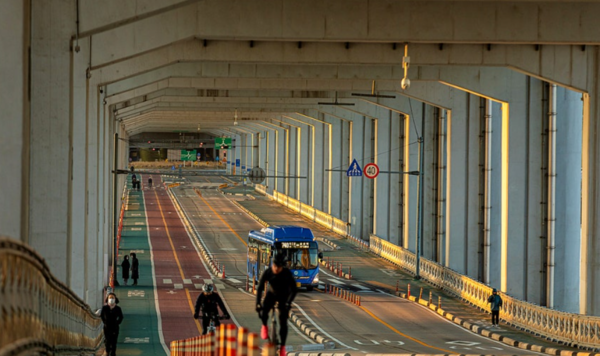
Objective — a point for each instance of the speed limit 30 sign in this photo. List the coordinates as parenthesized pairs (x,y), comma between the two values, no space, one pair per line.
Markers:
(371,170)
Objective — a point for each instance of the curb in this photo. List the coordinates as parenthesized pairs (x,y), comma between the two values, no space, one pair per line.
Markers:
(330,243)
(252,215)
(308,331)
(493,335)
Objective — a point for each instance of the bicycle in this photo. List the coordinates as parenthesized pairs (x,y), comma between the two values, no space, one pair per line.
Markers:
(212,328)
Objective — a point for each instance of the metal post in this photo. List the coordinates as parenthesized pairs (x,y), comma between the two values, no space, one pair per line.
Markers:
(420,204)
(115,214)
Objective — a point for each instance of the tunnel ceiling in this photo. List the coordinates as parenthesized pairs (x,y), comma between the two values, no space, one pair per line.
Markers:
(227,67)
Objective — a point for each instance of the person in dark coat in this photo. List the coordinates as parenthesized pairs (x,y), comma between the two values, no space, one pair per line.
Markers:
(112,316)
(125,269)
(135,265)
(496,302)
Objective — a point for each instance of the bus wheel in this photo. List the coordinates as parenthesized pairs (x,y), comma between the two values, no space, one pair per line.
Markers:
(309,288)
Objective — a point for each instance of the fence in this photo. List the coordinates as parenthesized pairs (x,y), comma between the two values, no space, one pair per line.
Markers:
(229,340)
(572,329)
(38,313)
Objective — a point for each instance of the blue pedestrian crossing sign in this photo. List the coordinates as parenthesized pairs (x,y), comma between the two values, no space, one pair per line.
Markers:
(354,170)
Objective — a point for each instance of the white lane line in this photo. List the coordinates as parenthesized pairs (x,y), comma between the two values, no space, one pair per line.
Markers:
(156,306)
(167,281)
(321,330)
(208,281)
(178,286)
(139,223)
(335,281)
(187,281)
(360,287)
(234,280)
(198,286)
(136,229)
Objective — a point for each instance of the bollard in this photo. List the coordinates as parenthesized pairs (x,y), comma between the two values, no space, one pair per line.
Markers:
(439,302)
(253,345)
(221,337)
(253,285)
(269,350)
(340,273)
(408,293)
(349,272)
(230,342)
(430,297)
(242,342)
(247,283)
(397,281)
(359,301)
(421,293)
(223,272)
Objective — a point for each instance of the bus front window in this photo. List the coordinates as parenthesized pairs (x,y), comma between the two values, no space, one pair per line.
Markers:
(301,258)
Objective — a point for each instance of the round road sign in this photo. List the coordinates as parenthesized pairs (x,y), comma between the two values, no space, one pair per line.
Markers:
(257,175)
(371,170)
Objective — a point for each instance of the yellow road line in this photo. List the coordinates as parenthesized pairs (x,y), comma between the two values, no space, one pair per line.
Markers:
(403,334)
(189,298)
(219,216)
(193,308)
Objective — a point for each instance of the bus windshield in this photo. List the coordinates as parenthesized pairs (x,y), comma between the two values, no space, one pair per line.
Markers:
(300,255)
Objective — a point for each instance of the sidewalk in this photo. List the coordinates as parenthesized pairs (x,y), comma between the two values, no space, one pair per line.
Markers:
(383,275)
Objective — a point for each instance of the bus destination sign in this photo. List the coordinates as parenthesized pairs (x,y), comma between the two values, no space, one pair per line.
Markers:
(295,244)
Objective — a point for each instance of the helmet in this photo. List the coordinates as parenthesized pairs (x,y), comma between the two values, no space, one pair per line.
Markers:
(279,260)
(207,288)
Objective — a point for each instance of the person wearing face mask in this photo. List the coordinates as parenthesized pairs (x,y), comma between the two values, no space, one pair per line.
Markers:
(112,316)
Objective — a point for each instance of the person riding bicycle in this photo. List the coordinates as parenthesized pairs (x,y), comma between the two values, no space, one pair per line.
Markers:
(281,289)
(208,301)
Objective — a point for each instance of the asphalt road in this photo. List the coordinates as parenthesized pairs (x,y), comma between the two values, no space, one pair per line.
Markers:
(382,324)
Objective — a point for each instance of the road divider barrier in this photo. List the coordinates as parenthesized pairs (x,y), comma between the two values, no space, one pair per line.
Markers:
(337,268)
(228,340)
(343,294)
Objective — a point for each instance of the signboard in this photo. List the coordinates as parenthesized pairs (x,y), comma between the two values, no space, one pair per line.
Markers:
(354,170)
(237,162)
(188,155)
(371,170)
(222,141)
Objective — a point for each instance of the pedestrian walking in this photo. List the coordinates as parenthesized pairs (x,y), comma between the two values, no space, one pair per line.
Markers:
(135,265)
(496,302)
(112,316)
(150,182)
(125,269)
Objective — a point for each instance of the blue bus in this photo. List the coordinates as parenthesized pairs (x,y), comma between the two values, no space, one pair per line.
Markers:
(296,243)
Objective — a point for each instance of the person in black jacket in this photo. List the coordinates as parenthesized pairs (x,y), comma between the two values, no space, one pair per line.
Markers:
(281,289)
(112,316)
(207,302)
(135,268)
(125,269)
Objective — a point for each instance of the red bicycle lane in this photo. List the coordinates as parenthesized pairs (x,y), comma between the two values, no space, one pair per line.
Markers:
(179,271)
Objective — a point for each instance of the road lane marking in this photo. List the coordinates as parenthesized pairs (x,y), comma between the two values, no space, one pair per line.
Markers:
(234,280)
(401,333)
(177,286)
(187,281)
(225,222)
(361,287)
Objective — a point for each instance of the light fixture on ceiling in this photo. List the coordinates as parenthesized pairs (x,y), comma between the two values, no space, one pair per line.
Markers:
(405,83)
(235,122)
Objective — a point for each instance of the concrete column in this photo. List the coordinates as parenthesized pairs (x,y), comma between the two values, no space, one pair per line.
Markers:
(589,293)
(429,241)
(53,23)
(293,184)
(568,202)
(412,122)
(460,184)
(362,151)
(494,264)
(78,192)
(14,136)
(383,159)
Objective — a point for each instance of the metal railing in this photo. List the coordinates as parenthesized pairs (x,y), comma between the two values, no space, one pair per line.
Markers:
(569,328)
(38,313)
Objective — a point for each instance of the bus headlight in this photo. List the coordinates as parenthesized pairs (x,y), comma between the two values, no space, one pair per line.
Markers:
(316,279)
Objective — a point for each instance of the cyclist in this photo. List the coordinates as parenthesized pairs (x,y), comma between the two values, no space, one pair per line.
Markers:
(281,289)
(208,301)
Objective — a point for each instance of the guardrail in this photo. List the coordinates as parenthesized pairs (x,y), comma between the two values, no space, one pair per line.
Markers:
(571,329)
(38,313)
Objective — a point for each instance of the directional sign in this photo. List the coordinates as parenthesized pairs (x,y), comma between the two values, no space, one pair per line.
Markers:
(354,170)
(188,155)
(237,162)
(222,141)
(371,170)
